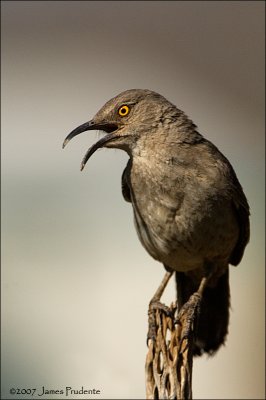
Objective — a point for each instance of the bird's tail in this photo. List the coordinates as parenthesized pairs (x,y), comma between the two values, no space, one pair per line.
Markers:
(213,319)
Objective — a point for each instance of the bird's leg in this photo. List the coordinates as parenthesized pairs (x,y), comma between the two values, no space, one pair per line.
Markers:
(155,304)
(187,316)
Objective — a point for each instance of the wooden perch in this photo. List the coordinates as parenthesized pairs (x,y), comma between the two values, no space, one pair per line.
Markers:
(169,360)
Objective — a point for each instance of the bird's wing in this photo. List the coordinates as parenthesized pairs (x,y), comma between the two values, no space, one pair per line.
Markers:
(241,207)
(125,182)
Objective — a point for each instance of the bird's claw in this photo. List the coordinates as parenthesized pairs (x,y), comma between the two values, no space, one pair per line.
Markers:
(188,314)
(153,307)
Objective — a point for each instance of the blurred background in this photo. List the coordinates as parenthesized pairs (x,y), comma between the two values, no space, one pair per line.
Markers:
(76,282)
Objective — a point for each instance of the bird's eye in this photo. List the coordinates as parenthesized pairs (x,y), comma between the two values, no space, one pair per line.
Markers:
(123,111)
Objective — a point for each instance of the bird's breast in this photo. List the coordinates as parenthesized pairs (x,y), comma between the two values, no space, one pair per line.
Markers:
(179,221)
(155,208)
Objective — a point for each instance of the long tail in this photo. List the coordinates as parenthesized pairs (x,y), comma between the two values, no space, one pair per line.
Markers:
(212,326)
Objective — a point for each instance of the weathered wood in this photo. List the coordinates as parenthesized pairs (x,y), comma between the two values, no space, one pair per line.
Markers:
(169,360)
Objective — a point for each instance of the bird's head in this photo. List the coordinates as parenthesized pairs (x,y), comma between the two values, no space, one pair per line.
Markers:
(125,118)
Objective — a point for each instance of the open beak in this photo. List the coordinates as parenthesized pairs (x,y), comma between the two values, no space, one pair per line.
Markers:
(88,126)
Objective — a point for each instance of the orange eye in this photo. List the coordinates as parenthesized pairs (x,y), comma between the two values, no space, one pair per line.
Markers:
(123,111)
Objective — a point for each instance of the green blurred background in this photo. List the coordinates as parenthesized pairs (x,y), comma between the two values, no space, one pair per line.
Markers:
(75,280)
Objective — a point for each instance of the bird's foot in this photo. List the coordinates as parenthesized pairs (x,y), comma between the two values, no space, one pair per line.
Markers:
(153,326)
(187,318)
(155,305)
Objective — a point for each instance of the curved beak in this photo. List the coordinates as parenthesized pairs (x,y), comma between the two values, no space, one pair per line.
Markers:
(108,138)
(109,128)
(89,126)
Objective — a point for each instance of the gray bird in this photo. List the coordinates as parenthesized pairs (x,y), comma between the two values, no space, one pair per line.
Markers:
(189,208)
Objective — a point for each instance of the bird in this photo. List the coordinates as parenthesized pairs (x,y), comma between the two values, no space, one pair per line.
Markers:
(190,211)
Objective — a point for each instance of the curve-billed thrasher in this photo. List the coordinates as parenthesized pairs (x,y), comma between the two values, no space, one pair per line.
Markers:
(189,208)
